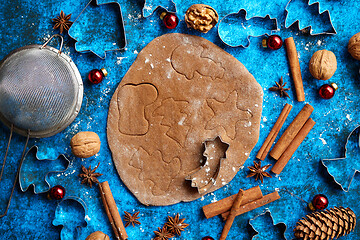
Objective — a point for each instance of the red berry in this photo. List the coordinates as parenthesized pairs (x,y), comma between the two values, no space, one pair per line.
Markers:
(327,91)
(170,20)
(96,75)
(319,202)
(274,42)
(207,238)
(56,193)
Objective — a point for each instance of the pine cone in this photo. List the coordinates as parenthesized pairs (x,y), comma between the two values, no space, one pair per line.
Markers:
(329,224)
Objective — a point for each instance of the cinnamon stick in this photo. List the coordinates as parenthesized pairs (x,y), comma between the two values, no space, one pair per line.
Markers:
(291,132)
(274,132)
(255,204)
(295,68)
(232,214)
(225,204)
(112,211)
(285,157)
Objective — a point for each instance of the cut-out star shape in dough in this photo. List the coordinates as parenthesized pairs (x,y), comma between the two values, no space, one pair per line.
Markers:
(226,114)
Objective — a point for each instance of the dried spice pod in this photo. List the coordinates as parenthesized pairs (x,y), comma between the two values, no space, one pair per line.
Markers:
(98,235)
(354,46)
(329,224)
(201,17)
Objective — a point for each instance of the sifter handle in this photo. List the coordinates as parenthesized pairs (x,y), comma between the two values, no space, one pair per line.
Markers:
(55,35)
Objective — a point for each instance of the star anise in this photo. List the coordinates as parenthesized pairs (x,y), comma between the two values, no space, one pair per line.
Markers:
(280,87)
(258,171)
(89,176)
(62,22)
(163,234)
(131,219)
(176,225)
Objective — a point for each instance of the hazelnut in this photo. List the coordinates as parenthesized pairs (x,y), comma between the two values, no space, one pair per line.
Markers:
(201,17)
(98,236)
(354,46)
(85,144)
(323,64)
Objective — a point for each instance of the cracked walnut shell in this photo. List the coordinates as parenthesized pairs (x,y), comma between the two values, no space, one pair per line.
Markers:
(354,46)
(201,17)
(85,144)
(323,64)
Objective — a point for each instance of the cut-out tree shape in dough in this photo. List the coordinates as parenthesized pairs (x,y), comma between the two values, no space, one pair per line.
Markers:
(226,114)
(215,153)
(174,117)
(344,169)
(187,59)
(152,172)
(132,100)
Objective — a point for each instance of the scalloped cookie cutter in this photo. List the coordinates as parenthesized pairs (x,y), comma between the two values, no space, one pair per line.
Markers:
(314,4)
(338,168)
(233,38)
(37,176)
(61,218)
(272,220)
(121,44)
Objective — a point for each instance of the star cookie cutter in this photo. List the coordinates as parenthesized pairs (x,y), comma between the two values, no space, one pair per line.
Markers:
(324,16)
(339,168)
(265,225)
(207,171)
(99,48)
(240,37)
(34,171)
(148,9)
(65,213)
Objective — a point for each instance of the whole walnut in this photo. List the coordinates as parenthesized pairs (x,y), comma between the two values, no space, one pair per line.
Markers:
(201,17)
(85,144)
(98,236)
(323,64)
(354,46)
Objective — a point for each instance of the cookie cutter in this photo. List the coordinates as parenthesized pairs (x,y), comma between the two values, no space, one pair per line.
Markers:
(151,9)
(336,167)
(232,38)
(32,167)
(63,218)
(206,187)
(117,34)
(321,14)
(265,213)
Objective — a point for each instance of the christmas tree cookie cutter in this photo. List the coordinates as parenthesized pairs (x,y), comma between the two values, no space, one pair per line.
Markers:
(34,171)
(95,40)
(255,223)
(323,16)
(340,169)
(71,214)
(234,33)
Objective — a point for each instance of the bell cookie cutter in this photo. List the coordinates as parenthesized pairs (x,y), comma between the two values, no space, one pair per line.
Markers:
(197,178)
(264,214)
(63,217)
(320,14)
(34,171)
(77,32)
(149,9)
(240,37)
(339,168)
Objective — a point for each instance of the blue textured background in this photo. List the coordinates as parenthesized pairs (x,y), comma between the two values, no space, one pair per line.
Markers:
(30,216)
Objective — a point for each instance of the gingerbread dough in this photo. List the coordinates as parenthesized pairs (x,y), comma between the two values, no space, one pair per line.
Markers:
(180,92)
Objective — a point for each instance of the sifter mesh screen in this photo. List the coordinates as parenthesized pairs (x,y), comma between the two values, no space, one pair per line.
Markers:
(39,90)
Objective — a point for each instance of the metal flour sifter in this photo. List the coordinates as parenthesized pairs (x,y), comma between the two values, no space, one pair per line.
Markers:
(41,92)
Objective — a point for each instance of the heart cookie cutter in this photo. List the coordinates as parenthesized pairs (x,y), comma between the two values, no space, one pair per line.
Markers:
(233,38)
(320,14)
(118,38)
(336,167)
(34,171)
